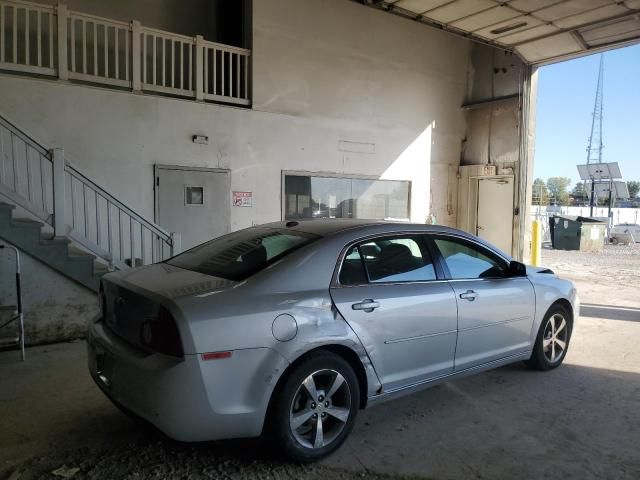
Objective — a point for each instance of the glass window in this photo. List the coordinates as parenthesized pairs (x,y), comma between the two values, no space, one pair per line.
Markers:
(397,260)
(330,197)
(194,195)
(243,253)
(467,262)
(352,271)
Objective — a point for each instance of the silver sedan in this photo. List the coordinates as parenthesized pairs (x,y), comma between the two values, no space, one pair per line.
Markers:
(289,329)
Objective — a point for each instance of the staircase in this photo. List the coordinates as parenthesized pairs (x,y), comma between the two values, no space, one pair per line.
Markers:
(54,213)
(58,253)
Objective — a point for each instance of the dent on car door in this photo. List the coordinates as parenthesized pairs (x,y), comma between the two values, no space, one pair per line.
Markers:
(495,309)
(389,294)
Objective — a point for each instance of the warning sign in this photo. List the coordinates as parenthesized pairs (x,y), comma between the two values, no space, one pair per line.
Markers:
(243,199)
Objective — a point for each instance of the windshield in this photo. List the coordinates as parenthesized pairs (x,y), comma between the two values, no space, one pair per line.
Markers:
(241,254)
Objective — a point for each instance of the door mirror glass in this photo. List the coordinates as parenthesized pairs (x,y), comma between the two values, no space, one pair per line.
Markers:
(517,269)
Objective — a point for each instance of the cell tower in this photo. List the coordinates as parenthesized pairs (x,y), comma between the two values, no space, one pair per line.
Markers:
(594,149)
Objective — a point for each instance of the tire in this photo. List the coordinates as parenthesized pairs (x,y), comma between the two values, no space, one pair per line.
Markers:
(297,413)
(549,350)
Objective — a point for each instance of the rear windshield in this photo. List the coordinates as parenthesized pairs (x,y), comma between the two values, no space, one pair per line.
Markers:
(241,254)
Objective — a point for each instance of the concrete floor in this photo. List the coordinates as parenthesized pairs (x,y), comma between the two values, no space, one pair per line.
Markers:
(579,421)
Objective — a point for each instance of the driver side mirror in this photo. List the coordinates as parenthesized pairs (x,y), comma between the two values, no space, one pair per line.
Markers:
(517,269)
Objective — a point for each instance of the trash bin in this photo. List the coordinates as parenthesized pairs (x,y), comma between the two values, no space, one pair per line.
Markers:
(578,233)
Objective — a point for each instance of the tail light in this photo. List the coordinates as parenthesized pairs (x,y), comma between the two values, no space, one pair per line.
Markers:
(162,335)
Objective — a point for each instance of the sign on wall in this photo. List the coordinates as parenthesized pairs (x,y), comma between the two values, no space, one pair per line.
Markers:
(242,199)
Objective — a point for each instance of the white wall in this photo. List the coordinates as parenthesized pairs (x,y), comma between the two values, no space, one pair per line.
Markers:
(324,71)
(55,308)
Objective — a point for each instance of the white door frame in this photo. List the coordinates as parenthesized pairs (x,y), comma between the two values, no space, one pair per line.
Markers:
(156,171)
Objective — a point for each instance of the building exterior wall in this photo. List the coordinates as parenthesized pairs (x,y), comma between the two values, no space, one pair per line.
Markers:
(55,308)
(326,71)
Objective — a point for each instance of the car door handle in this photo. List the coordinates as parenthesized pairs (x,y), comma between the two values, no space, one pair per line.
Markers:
(366,305)
(469,295)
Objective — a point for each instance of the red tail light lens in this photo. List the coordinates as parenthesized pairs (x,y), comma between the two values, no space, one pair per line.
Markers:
(162,335)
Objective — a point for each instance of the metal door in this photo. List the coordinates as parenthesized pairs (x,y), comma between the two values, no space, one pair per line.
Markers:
(193,202)
(495,211)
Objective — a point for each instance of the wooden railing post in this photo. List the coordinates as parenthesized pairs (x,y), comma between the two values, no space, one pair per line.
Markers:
(63,65)
(176,243)
(59,224)
(199,68)
(137,62)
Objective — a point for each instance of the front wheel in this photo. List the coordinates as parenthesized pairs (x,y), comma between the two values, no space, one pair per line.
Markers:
(316,407)
(552,341)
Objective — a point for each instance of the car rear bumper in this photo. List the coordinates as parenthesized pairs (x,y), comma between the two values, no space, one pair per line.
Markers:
(189,399)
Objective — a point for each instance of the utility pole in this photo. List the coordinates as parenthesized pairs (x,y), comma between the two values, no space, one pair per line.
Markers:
(594,149)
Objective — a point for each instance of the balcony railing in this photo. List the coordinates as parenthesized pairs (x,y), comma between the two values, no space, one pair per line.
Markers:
(56,42)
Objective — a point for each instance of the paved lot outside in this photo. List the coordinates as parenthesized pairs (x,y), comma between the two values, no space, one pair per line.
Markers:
(579,421)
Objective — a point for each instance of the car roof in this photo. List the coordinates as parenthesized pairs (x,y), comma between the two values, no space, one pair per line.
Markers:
(329,226)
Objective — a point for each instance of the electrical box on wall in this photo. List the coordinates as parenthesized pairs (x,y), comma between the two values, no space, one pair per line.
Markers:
(468,193)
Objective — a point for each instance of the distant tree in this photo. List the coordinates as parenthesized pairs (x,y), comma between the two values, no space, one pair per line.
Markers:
(634,188)
(558,189)
(540,194)
(578,192)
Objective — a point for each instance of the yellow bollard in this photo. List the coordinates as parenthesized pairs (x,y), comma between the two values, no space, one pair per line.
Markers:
(536,242)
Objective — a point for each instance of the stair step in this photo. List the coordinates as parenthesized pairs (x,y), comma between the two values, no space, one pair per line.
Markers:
(100,268)
(25,222)
(7,206)
(7,341)
(78,252)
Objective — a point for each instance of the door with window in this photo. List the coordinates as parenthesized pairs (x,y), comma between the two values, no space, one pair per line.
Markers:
(388,292)
(194,202)
(495,310)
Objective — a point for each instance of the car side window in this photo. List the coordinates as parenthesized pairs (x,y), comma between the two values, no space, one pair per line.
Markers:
(402,259)
(466,262)
(352,270)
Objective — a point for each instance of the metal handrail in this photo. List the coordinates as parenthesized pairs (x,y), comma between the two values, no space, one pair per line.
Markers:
(25,137)
(117,203)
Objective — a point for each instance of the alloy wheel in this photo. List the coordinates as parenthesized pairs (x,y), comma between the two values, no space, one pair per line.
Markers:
(320,409)
(554,339)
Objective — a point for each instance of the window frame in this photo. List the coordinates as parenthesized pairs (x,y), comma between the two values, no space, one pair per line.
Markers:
(338,175)
(484,250)
(423,244)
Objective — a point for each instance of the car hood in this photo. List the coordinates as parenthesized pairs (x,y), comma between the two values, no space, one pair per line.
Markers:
(168,281)
(531,270)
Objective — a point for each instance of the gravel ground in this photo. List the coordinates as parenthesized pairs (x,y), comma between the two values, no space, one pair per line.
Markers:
(615,261)
(155,457)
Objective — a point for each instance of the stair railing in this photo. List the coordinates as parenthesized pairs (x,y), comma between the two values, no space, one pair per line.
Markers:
(49,187)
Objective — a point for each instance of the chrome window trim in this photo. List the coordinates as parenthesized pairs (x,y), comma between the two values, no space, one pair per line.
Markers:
(481,247)
(335,282)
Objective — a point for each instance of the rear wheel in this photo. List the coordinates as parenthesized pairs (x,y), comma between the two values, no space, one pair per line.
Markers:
(316,407)
(552,341)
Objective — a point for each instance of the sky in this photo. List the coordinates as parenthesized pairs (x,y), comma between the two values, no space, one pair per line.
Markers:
(566,95)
